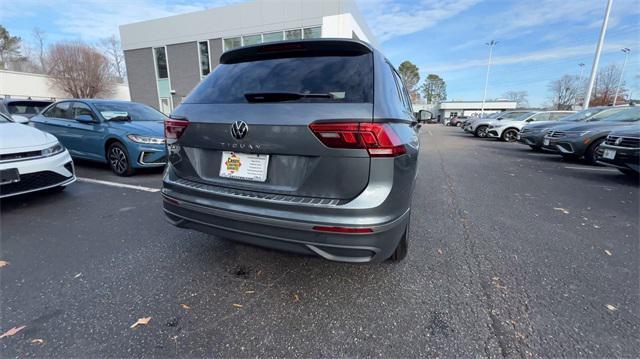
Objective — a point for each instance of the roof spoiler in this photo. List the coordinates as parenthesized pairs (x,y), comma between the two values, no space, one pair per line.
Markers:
(298,48)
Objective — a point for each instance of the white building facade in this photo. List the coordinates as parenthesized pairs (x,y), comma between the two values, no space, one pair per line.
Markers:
(166,58)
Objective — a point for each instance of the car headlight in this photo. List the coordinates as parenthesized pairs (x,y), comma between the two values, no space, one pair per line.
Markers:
(53,150)
(146,139)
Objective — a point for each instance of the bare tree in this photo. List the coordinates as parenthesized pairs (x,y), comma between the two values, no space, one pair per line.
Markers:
(520,97)
(39,36)
(563,92)
(79,70)
(113,50)
(605,86)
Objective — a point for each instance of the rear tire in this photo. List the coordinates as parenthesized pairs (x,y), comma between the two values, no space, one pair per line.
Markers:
(590,153)
(403,247)
(481,132)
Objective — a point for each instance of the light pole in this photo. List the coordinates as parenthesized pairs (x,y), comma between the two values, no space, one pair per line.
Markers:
(626,55)
(491,44)
(596,59)
(580,81)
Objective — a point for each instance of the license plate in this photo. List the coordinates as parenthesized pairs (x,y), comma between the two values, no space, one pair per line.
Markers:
(545,142)
(609,154)
(10,175)
(245,166)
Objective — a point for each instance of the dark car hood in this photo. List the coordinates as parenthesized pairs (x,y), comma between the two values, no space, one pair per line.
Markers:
(627,131)
(147,128)
(586,126)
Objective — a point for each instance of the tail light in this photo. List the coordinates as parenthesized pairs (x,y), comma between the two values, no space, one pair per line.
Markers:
(174,128)
(378,139)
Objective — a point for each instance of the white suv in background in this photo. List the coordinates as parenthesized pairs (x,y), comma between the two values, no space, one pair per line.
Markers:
(479,126)
(507,130)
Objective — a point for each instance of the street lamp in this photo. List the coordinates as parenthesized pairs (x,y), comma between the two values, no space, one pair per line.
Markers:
(580,81)
(491,44)
(626,55)
(596,58)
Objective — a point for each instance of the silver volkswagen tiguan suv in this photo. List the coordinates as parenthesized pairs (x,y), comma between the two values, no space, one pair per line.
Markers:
(308,146)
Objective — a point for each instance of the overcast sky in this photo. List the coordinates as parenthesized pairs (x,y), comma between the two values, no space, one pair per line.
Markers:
(539,40)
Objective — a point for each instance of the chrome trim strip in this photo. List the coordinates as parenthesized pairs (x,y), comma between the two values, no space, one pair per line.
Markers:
(275,222)
(156,164)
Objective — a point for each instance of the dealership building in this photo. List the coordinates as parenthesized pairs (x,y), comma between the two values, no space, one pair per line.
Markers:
(166,58)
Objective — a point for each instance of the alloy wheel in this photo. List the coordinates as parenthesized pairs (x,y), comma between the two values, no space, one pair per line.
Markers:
(510,136)
(118,160)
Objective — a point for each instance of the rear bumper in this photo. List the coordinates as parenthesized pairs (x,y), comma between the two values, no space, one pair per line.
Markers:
(286,224)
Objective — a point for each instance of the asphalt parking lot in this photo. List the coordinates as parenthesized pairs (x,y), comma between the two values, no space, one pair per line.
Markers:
(513,254)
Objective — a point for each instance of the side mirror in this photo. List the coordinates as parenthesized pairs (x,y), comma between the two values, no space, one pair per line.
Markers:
(529,120)
(84,119)
(424,115)
(19,119)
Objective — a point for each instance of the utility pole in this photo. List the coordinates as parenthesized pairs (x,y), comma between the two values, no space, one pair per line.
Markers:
(596,59)
(491,44)
(626,55)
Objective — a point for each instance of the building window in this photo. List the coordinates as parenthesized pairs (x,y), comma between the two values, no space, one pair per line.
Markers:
(232,43)
(251,40)
(313,32)
(205,67)
(161,62)
(273,36)
(293,34)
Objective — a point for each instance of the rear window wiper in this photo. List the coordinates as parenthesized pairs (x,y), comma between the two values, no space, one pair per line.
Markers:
(284,96)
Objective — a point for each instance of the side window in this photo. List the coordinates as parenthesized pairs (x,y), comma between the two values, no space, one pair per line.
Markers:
(558,115)
(399,87)
(60,110)
(544,116)
(404,94)
(80,108)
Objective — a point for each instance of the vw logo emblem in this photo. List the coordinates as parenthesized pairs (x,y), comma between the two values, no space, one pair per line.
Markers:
(239,130)
(618,141)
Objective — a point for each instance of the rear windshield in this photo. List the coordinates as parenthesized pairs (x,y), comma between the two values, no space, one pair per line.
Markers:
(26,107)
(344,78)
(629,114)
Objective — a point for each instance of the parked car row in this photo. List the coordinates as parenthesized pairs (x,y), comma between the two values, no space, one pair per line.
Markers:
(36,153)
(598,135)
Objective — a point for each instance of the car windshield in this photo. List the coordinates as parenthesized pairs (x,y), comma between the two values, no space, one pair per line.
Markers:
(28,108)
(628,114)
(607,113)
(514,116)
(135,111)
(324,79)
(582,115)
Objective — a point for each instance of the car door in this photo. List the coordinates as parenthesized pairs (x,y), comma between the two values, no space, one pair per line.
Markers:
(86,138)
(55,120)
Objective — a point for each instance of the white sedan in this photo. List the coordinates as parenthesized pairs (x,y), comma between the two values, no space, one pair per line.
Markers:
(507,130)
(31,160)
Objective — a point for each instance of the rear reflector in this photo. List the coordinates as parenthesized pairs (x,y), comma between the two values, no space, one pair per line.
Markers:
(174,128)
(342,229)
(378,139)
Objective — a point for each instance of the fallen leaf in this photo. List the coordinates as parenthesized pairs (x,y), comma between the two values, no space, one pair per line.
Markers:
(561,210)
(184,306)
(439,251)
(259,273)
(249,291)
(611,307)
(3,264)
(77,275)
(13,331)
(607,252)
(37,341)
(238,305)
(296,297)
(520,335)
(141,321)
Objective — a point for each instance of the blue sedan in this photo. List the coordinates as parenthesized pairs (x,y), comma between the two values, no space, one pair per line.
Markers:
(126,135)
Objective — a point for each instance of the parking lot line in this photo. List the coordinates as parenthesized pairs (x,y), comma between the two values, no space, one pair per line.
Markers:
(591,168)
(116,184)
